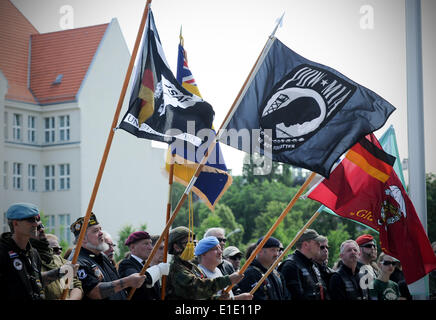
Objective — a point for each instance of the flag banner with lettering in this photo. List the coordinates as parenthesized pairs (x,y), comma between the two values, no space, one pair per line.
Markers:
(213,180)
(353,191)
(160,108)
(303,113)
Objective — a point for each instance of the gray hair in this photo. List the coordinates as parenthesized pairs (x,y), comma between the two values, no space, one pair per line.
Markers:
(347,242)
(210,231)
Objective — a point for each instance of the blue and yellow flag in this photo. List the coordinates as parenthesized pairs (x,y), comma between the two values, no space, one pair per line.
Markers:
(214,180)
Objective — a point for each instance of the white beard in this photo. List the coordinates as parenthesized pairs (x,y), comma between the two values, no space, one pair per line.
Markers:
(100,247)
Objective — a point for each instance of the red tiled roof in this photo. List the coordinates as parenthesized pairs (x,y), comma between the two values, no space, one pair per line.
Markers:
(15,30)
(67,52)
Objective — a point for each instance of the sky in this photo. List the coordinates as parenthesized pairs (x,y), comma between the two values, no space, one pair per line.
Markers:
(363,39)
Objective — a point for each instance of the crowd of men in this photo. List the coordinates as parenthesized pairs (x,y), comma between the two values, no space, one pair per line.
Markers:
(32,268)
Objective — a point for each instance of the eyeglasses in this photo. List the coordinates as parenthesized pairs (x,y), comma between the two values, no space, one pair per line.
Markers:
(324,247)
(281,249)
(222,240)
(387,263)
(236,258)
(39,227)
(57,249)
(31,219)
(371,245)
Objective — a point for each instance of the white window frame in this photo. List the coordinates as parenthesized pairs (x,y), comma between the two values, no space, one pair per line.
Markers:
(64,227)
(5,174)
(49,129)
(6,127)
(64,128)
(31,177)
(17,126)
(31,129)
(49,178)
(64,176)
(17,176)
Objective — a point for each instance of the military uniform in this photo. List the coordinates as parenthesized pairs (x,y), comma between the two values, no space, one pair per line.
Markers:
(186,281)
(273,287)
(20,271)
(95,269)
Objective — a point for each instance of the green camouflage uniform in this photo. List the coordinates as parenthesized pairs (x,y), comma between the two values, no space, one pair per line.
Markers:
(186,281)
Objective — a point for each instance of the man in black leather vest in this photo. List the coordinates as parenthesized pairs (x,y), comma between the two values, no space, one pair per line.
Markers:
(347,282)
(303,278)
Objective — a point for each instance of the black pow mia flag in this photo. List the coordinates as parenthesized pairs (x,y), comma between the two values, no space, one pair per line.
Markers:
(306,114)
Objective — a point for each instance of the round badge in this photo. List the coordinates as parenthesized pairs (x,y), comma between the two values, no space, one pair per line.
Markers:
(18,264)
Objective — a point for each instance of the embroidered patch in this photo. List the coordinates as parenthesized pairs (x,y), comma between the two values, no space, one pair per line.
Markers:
(81,274)
(13,254)
(18,264)
(98,274)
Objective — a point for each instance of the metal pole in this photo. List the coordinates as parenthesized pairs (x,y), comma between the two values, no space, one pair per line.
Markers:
(415,126)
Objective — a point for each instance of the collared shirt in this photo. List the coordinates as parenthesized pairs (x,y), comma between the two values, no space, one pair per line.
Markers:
(137,259)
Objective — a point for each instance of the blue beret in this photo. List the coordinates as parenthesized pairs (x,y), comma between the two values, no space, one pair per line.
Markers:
(20,211)
(270,243)
(205,244)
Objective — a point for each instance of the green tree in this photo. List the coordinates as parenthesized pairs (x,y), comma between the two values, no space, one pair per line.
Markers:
(431,206)
(123,234)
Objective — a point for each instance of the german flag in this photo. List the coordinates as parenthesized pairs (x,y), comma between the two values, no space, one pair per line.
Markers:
(146,94)
(371,159)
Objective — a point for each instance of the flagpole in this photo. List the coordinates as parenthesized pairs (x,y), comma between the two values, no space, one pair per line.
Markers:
(297,236)
(205,157)
(274,226)
(109,140)
(170,188)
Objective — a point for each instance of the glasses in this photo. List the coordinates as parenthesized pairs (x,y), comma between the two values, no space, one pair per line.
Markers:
(57,249)
(388,263)
(31,219)
(222,240)
(369,246)
(236,258)
(324,247)
(39,227)
(281,249)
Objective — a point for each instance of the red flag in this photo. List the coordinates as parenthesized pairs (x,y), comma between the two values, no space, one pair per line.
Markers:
(355,191)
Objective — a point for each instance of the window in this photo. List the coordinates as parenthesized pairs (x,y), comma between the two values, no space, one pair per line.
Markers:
(17,176)
(16,127)
(64,176)
(51,225)
(31,129)
(31,177)
(6,128)
(49,178)
(64,227)
(49,129)
(64,128)
(5,174)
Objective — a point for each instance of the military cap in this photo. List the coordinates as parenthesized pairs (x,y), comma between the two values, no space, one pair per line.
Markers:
(205,244)
(231,251)
(270,243)
(77,225)
(308,235)
(177,234)
(365,238)
(136,236)
(20,211)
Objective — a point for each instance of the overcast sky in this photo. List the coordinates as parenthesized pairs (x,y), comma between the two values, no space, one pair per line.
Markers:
(364,40)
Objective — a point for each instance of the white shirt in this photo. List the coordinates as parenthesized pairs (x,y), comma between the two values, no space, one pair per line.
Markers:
(212,275)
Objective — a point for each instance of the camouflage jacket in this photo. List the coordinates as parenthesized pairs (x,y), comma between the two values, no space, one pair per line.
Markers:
(186,281)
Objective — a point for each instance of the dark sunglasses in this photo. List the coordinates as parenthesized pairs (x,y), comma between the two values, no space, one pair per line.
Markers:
(57,249)
(31,219)
(236,258)
(369,245)
(324,247)
(387,263)
(39,227)
(222,240)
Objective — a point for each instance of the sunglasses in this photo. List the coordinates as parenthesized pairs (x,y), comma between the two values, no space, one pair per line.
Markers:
(31,219)
(236,258)
(387,263)
(222,240)
(39,227)
(57,249)
(369,246)
(324,247)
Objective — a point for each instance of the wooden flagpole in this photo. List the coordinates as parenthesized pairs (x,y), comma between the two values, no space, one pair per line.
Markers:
(109,139)
(202,163)
(297,236)
(170,188)
(274,226)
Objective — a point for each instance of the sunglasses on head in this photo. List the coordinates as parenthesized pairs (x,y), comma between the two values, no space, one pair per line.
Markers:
(387,263)
(324,247)
(222,240)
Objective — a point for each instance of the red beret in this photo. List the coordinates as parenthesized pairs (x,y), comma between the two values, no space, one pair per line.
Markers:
(136,236)
(365,238)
